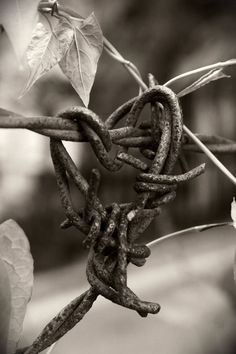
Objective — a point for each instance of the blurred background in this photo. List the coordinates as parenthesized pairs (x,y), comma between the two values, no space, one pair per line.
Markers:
(164,37)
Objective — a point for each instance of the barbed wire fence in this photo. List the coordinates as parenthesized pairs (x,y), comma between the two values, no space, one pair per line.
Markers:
(111,231)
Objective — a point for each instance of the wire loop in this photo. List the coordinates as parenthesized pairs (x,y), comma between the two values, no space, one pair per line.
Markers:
(111,231)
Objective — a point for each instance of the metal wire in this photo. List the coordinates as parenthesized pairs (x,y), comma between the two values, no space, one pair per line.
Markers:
(110,231)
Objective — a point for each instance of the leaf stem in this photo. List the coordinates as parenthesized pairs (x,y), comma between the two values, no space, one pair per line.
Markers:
(219,65)
(52,347)
(48,5)
(113,52)
(210,155)
(197,141)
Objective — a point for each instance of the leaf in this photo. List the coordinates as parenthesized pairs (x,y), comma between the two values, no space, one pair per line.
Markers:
(203,80)
(234,268)
(233,217)
(18,18)
(46,49)
(80,62)
(233,212)
(5,302)
(5,113)
(15,254)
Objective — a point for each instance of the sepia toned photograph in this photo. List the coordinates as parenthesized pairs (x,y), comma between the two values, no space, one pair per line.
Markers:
(117,177)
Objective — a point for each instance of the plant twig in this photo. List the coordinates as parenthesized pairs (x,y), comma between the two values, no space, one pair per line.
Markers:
(219,65)
(211,156)
(198,142)
(51,348)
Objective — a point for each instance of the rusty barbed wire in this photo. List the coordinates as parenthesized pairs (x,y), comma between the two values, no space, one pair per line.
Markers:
(67,130)
(111,231)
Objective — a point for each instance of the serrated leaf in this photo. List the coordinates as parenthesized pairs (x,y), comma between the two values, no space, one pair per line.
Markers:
(18,18)
(46,49)
(15,254)
(80,62)
(203,80)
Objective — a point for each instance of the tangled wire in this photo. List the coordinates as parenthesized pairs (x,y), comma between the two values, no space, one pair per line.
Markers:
(111,231)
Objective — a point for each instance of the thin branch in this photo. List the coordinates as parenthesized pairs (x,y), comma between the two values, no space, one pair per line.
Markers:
(219,65)
(50,350)
(198,142)
(113,52)
(211,156)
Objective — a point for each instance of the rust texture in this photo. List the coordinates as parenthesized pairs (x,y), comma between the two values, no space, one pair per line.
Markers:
(110,231)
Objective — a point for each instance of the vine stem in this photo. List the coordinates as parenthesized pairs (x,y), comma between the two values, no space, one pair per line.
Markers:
(132,69)
(137,77)
(211,156)
(50,350)
(116,55)
(134,72)
(215,66)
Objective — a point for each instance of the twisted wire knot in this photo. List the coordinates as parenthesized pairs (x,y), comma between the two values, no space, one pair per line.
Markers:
(111,231)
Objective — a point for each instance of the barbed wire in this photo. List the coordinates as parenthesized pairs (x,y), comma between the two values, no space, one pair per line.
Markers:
(111,231)
(67,130)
